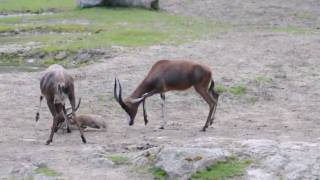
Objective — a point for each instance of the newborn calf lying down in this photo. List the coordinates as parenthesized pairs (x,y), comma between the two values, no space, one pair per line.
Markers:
(92,121)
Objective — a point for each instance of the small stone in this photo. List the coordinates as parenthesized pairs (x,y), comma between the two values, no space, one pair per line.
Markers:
(61,55)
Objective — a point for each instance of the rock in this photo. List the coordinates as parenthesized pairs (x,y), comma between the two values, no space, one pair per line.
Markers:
(147,157)
(259,174)
(30,61)
(181,163)
(260,148)
(22,171)
(93,156)
(150,4)
(89,3)
(61,55)
(275,163)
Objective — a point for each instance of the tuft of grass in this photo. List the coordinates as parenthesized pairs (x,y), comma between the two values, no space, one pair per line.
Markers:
(36,6)
(158,173)
(118,160)
(235,90)
(46,172)
(223,170)
(48,62)
(263,79)
(303,15)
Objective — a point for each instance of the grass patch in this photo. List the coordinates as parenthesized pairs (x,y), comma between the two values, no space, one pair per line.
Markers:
(223,170)
(105,27)
(48,62)
(46,172)
(263,79)
(118,160)
(35,6)
(234,90)
(73,29)
(303,15)
(158,173)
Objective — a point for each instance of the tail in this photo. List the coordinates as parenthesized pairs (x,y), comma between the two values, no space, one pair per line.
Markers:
(38,113)
(61,88)
(211,90)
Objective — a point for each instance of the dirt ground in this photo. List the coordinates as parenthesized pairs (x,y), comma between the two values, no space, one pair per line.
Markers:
(282,106)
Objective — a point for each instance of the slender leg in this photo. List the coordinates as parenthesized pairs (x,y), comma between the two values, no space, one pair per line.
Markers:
(72,100)
(38,113)
(81,131)
(144,112)
(216,98)
(201,89)
(163,111)
(66,120)
(54,125)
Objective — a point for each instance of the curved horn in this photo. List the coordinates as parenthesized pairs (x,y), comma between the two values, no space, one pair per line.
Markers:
(77,107)
(118,96)
(115,90)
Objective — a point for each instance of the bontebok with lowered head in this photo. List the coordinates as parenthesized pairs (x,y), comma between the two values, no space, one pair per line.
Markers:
(167,76)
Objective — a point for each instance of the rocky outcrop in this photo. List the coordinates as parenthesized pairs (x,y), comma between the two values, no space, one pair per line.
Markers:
(181,163)
(149,4)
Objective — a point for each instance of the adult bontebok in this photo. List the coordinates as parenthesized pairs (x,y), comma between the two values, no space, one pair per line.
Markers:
(56,86)
(166,76)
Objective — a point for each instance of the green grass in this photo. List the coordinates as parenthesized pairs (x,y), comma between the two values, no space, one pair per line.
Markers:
(222,170)
(234,90)
(263,79)
(129,27)
(73,29)
(35,5)
(46,172)
(118,160)
(158,173)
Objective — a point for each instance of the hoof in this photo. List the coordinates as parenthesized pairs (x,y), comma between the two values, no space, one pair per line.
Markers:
(203,130)
(161,127)
(48,142)
(37,117)
(83,139)
(68,130)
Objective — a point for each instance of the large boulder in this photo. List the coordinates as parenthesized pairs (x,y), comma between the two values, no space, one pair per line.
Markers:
(149,4)
(181,163)
(89,3)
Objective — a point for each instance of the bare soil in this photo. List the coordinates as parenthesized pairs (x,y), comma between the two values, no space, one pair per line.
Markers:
(282,106)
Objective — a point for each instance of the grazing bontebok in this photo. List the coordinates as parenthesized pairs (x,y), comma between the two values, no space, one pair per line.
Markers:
(56,86)
(166,76)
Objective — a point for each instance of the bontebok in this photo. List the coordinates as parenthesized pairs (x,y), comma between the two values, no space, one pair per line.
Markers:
(166,76)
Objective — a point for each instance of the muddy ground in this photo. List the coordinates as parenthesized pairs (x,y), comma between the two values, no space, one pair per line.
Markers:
(280,71)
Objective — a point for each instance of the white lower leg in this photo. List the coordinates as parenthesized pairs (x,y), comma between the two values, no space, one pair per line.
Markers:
(163,114)
(66,121)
